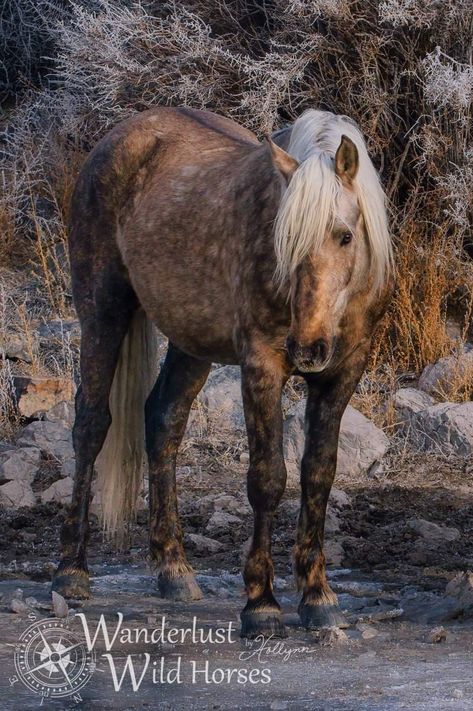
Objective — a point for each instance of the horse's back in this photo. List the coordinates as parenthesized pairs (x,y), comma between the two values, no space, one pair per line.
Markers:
(162,200)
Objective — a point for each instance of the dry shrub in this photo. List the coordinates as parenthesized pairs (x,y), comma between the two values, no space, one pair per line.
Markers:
(401,68)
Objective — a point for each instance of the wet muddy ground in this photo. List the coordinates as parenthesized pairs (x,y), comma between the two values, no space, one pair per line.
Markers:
(390,580)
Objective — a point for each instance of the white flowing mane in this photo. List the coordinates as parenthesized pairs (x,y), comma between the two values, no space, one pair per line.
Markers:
(309,204)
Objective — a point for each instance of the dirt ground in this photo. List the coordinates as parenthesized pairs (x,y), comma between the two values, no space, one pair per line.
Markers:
(390,582)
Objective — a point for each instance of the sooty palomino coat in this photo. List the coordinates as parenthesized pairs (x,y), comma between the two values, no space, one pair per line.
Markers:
(239,252)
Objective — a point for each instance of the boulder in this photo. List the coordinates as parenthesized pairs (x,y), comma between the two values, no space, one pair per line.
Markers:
(51,437)
(36,395)
(231,505)
(17,347)
(60,329)
(446,428)
(19,464)
(221,522)
(361,444)
(202,545)
(460,588)
(60,492)
(63,412)
(432,532)
(221,400)
(17,493)
(409,401)
(436,378)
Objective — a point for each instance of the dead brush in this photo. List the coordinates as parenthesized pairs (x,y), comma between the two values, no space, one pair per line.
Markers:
(402,70)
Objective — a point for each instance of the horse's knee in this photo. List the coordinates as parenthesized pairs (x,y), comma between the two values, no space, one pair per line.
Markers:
(90,429)
(266,484)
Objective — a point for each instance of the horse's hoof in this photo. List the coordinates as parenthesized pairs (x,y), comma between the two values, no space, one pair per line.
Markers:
(73,584)
(181,588)
(265,623)
(317,616)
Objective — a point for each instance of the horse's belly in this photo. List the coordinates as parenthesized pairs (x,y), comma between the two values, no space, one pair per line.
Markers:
(197,317)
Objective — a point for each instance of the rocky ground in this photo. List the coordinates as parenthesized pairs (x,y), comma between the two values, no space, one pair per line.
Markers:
(398,547)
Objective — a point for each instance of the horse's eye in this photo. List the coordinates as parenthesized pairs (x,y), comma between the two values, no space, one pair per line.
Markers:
(346,238)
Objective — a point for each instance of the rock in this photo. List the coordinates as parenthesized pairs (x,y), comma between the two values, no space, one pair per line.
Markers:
(461,589)
(437,378)
(231,504)
(367,631)
(221,400)
(68,468)
(390,614)
(63,412)
(51,437)
(60,491)
(338,498)
(245,550)
(457,602)
(19,464)
(33,602)
(202,544)
(36,395)
(60,607)
(332,521)
(19,607)
(408,401)
(204,505)
(17,347)
(16,494)
(360,445)
(334,553)
(61,329)
(437,635)
(221,522)
(446,428)
(432,532)
(330,636)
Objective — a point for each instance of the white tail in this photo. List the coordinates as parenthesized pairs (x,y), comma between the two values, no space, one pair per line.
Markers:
(120,464)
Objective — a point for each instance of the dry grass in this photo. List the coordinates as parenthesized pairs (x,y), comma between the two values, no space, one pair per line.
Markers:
(402,70)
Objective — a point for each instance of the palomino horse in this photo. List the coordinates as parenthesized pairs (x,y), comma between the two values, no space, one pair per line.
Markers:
(239,252)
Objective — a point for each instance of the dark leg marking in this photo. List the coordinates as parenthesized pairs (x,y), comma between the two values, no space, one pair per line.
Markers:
(262,382)
(102,336)
(326,403)
(167,410)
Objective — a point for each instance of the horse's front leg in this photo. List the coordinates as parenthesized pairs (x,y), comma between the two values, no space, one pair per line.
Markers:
(262,381)
(326,403)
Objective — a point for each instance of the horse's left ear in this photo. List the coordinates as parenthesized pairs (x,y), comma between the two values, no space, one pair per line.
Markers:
(346,160)
(282,160)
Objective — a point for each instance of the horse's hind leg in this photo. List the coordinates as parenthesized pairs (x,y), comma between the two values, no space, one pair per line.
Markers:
(167,410)
(103,330)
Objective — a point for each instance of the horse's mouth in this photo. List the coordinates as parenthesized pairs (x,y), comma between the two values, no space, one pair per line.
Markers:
(310,367)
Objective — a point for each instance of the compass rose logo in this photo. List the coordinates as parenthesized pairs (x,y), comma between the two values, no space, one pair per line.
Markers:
(52,660)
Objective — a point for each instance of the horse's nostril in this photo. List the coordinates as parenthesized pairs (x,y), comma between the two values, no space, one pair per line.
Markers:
(320,350)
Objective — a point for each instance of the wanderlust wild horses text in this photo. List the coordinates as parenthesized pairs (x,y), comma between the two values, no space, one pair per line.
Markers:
(239,252)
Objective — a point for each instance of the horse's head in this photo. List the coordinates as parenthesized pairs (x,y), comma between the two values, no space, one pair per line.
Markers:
(325,283)
(327,274)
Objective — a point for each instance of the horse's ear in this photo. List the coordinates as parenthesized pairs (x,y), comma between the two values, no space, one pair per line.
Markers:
(346,160)
(282,160)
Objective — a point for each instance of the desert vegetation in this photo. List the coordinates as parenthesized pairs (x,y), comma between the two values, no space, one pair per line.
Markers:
(401,68)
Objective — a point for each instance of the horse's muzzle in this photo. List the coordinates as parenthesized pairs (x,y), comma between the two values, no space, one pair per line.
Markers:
(309,359)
